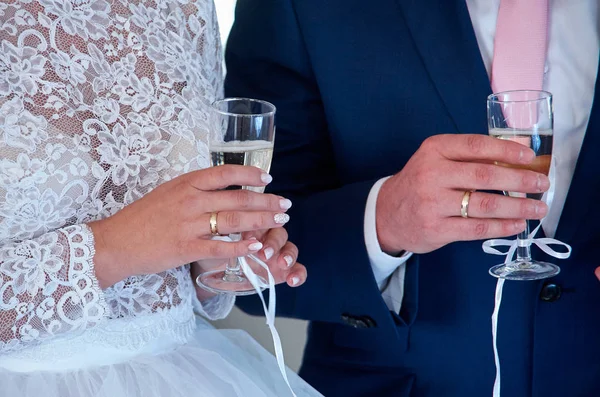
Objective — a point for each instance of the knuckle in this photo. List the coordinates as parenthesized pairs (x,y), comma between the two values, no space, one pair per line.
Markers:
(508,228)
(480,229)
(431,143)
(284,235)
(261,221)
(243,198)
(529,180)
(274,203)
(488,205)
(233,220)
(526,210)
(484,175)
(279,236)
(476,144)
(225,173)
(508,150)
(290,249)
(183,193)
(240,249)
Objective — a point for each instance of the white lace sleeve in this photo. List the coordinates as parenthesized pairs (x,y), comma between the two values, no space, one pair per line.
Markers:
(216,308)
(48,287)
(101,101)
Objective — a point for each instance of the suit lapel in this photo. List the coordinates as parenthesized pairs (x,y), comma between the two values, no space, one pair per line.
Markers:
(584,189)
(444,36)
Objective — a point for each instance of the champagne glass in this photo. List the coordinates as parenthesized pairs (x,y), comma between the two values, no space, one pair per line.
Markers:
(242,133)
(525,117)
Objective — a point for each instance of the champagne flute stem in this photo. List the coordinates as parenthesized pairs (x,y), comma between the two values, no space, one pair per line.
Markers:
(524,245)
(233,270)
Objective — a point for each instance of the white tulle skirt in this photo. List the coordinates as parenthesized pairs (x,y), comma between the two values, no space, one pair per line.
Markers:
(212,362)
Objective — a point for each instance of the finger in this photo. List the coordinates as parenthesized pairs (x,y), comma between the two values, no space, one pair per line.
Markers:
(288,255)
(297,275)
(231,200)
(255,235)
(597,272)
(215,178)
(274,240)
(474,147)
(459,229)
(242,221)
(213,249)
(478,176)
(488,205)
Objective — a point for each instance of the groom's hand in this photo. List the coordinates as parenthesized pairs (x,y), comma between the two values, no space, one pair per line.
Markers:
(419,208)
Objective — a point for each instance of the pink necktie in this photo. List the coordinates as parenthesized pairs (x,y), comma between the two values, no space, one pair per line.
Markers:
(520,45)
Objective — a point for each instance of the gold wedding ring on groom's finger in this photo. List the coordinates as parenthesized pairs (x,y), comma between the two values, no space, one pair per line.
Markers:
(214,229)
(464,205)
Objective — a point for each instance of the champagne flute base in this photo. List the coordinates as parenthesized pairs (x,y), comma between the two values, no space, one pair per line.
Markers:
(220,282)
(525,270)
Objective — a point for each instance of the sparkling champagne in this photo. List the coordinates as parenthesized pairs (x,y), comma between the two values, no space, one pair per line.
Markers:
(252,153)
(539,141)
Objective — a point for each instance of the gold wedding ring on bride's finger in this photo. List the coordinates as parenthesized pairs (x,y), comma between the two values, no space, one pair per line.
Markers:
(464,205)
(214,229)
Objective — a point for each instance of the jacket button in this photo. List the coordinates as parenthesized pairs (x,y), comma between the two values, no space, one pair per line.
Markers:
(353,321)
(550,292)
(370,323)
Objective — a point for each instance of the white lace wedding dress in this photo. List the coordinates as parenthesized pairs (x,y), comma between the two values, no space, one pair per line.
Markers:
(100,102)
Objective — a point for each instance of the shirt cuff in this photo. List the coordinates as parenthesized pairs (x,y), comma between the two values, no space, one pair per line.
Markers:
(383,265)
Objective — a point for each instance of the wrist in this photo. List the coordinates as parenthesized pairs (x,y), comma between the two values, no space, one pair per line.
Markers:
(384,230)
(202,294)
(106,263)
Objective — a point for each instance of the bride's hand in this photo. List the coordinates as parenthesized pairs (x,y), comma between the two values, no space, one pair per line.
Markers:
(279,254)
(170,226)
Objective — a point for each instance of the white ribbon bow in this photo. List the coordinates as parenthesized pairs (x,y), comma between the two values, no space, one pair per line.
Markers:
(269,310)
(543,243)
(488,248)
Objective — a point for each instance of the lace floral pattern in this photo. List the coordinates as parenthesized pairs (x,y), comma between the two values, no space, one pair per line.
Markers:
(100,102)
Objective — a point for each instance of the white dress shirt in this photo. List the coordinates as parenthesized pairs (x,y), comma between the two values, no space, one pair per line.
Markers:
(570,75)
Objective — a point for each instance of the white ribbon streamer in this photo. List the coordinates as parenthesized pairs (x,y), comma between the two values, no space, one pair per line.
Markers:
(488,247)
(269,310)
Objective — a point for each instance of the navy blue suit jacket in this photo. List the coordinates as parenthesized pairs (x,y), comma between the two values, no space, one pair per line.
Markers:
(358,86)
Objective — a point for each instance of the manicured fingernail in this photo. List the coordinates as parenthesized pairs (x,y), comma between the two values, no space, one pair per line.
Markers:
(281,218)
(285,204)
(255,246)
(253,238)
(266,178)
(269,253)
(289,260)
(295,281)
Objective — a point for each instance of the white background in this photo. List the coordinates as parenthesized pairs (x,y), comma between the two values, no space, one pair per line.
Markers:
(292,332)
